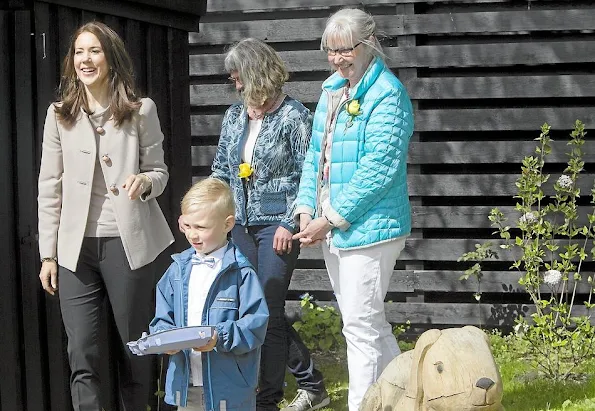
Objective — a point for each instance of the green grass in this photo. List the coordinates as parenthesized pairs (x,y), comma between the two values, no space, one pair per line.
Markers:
(523,389)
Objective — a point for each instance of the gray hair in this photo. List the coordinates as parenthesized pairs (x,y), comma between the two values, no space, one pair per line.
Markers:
(349,26)
(260,69)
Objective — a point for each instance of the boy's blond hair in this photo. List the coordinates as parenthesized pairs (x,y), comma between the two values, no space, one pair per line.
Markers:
(210,193)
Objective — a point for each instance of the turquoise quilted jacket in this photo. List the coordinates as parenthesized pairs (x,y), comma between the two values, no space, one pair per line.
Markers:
(369,201)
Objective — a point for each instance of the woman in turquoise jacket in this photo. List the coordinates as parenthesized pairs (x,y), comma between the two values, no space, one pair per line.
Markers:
(353,191)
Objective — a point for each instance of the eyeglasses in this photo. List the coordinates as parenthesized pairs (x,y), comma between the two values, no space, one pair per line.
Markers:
(233,80)
(345,52)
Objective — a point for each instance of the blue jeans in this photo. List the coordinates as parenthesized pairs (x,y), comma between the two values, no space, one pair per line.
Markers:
(282,344)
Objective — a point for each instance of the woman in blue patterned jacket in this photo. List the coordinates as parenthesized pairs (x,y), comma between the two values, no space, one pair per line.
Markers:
(353,191)
(260,154)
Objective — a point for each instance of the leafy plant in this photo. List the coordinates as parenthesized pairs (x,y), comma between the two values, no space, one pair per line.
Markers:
(319,327)
(482,252)
(400,329)
(550,248)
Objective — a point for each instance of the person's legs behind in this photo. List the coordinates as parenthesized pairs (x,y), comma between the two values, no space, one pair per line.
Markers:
(274,273)
(311,393)
(360,280)
(301,365)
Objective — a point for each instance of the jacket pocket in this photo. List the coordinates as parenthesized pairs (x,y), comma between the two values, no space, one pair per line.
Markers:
(223,309)
(273,202)
(233,373)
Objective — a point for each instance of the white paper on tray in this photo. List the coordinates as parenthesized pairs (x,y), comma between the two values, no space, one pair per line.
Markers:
(172,339)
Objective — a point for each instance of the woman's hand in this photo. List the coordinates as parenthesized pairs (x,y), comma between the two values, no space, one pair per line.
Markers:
(282,241)
(48,275)
(314,233)
(137,185)
(305,219)
(209,346)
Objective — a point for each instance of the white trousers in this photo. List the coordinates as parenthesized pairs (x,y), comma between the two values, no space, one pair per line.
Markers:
(360,280)
(196,400)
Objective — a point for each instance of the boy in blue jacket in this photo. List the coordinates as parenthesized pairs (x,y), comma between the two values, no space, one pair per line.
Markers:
(212,283)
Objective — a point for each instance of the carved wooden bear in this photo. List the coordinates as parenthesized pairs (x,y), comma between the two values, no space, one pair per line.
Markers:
(449,370)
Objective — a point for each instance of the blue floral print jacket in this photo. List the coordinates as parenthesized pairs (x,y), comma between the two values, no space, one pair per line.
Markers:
(268,196)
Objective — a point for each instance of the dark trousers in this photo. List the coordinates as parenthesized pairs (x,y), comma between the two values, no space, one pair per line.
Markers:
(103,271)
(282,345)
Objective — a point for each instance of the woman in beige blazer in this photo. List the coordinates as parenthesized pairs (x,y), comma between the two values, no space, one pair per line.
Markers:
(100,226)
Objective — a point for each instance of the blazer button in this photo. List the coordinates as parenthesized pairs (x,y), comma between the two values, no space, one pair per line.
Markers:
(114,189)
(106,159)
(100,130)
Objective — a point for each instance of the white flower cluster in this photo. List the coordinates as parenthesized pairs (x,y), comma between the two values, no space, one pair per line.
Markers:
(521,329)
(565,182)
(528,218)
(552,277)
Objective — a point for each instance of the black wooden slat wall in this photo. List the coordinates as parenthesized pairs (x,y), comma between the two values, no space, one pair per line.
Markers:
(11,390)
(34,37)
(484,75)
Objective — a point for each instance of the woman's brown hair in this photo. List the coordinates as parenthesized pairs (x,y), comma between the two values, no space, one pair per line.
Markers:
(72,95)
(261,70)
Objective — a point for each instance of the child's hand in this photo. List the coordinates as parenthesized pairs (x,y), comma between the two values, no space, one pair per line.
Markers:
(172,352)
(209,346)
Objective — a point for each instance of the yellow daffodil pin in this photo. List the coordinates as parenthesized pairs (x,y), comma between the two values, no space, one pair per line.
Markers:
(353,109)
(245,170)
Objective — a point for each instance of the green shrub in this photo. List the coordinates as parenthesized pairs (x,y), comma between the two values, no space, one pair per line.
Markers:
(319,327)
(550,248)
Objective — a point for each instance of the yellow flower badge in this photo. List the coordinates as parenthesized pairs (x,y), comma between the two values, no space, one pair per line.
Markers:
(353,109)
(245,171)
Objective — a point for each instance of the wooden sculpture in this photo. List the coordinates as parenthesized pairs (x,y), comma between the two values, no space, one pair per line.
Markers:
(448,370)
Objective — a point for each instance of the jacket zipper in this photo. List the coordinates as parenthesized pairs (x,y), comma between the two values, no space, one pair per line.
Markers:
(334,120)
(184,322)
(207,306)
(246,181)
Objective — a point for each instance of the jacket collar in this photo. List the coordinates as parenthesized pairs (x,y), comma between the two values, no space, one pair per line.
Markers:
(335,81)
(232,256)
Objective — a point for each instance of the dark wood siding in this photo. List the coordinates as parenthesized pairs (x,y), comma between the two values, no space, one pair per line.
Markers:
(33,40)
(484,75)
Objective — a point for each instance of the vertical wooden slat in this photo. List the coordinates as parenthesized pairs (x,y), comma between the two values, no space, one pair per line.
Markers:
(48,59)
(88,16)
(26,176)
(116,23)
(157,89)
(70,20)
(11,390)
(179,139)
(134,38)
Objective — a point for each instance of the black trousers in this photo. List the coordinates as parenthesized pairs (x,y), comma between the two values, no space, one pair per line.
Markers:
(282,345)
(103,272)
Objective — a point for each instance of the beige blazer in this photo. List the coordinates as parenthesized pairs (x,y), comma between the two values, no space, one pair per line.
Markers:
(66,179)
